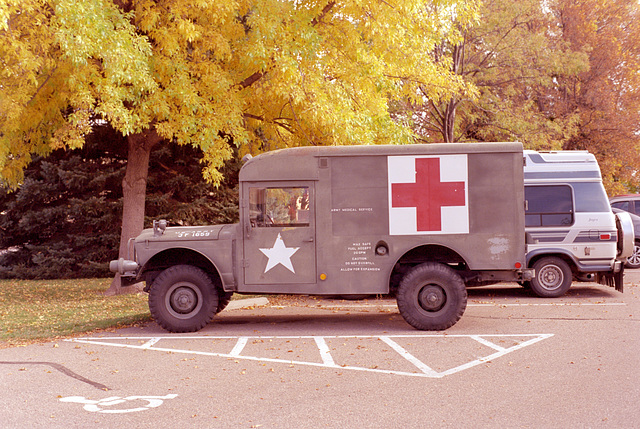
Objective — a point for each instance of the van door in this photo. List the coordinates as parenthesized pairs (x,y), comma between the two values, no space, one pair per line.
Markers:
(279,233)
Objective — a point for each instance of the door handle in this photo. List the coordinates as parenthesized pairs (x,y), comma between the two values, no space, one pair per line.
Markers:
(308,240)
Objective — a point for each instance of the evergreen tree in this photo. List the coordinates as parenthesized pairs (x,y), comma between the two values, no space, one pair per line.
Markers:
(64,221)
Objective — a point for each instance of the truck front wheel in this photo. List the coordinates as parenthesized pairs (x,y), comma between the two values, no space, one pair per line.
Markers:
(553,277)
(183,299)
(432,297)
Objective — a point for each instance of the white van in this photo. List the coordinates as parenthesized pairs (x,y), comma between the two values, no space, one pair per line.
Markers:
(570,228)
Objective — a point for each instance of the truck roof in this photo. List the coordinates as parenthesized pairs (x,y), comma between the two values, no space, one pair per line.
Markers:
(303,163)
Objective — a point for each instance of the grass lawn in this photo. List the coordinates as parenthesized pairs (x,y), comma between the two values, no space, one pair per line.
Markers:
(32,310)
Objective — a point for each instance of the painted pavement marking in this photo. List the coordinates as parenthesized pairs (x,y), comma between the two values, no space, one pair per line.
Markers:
(471,304)
(326,358)
(408,356)
(101,406)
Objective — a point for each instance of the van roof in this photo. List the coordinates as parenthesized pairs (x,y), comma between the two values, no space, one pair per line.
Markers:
(561,165)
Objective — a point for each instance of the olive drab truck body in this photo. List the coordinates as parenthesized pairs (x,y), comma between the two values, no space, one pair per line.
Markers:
(420,221)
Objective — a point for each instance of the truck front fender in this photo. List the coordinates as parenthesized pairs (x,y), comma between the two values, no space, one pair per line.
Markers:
(220,267)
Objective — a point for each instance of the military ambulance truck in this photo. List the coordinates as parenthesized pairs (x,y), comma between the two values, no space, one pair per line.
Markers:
(422,221)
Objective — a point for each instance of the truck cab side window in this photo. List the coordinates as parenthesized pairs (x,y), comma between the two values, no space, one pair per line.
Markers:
(279,207)
(548,205)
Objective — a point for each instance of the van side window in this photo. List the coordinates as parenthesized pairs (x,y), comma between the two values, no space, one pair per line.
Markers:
(591,197)
(270,207)
(548,205)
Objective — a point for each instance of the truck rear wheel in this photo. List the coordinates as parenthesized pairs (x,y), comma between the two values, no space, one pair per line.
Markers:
(432,297)
(553,277)
(224,298)
(183,299)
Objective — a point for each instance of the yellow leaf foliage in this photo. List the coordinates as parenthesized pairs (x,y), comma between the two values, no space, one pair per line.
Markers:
(259,74)
(62,65)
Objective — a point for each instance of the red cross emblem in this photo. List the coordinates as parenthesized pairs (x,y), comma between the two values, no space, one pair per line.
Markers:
(428,194)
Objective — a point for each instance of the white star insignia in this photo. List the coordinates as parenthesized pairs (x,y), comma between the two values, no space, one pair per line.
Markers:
(279,254)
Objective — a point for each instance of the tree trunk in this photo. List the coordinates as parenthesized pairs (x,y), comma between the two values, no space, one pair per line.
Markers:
(134,188)
(449,121)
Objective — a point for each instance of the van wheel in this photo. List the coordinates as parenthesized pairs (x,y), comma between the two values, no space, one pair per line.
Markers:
(553,277)
(432,297)
(183,299)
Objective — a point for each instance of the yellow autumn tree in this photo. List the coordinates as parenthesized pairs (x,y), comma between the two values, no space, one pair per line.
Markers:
(514,56)
(57,76)
(552,74)
(605,97)
(256,74)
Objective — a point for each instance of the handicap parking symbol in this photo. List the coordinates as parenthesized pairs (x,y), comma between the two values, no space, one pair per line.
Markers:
(102,405)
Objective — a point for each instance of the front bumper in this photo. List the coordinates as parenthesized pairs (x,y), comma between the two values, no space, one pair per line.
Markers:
(124,266)
(127,269)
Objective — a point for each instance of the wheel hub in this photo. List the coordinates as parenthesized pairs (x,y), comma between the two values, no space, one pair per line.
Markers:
(551,277)
(432,298)
(183,300)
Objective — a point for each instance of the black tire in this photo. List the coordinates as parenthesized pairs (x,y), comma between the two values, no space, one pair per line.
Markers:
(432,297)
(633,261)
(224,298)
(553,277)
(183,298)
(526,284)
(353,297)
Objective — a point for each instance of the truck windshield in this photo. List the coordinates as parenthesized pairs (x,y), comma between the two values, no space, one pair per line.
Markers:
(269,207)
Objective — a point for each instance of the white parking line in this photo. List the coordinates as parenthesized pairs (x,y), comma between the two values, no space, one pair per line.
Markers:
(237,349)
(373,305)
(549,304)
(408,356)
(150,343)
(487,343)
(325,353)
(327,359)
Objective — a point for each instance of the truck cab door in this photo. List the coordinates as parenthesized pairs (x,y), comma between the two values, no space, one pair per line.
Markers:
(279,233)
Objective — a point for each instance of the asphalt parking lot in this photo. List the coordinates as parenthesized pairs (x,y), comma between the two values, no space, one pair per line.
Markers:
(513,360)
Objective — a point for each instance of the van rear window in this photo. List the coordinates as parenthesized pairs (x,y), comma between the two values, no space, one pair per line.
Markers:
(548,205)
(591,197)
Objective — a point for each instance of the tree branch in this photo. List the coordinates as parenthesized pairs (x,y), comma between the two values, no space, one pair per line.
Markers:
(259,74)
(251,79)
(323,13)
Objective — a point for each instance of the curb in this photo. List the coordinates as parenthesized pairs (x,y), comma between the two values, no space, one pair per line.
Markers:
(248,302)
